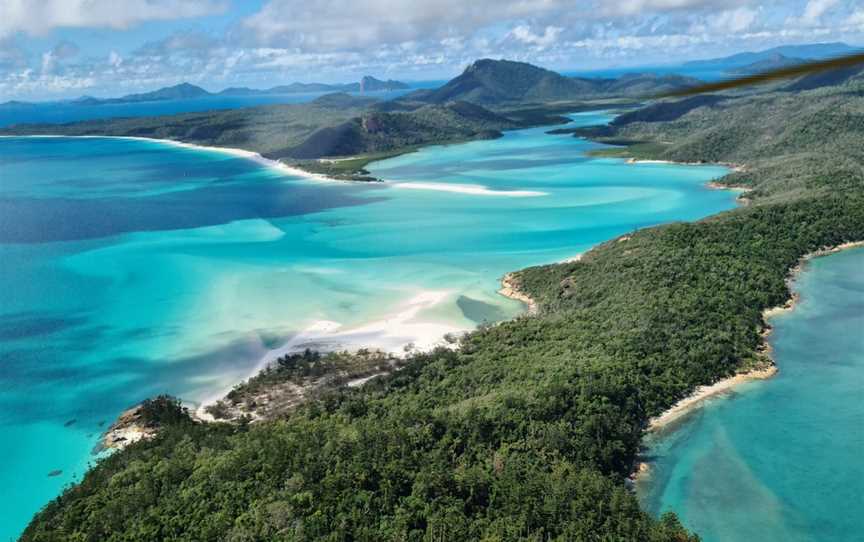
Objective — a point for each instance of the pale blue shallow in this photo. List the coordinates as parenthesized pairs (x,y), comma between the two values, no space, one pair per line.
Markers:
(780,460)
(132,268)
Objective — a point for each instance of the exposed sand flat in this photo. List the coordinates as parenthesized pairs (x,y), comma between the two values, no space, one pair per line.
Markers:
(393,334)
(473,189)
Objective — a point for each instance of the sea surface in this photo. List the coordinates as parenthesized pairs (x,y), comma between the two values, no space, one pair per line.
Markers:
(780,460)
(132,268)
(70,111)
(706,73)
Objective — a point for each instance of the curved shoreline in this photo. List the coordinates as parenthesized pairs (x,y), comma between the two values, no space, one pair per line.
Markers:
(690,403)
(233,151)
(697,399)
(509,289)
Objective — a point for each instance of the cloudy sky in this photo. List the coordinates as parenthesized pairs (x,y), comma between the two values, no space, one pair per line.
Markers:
(66,48)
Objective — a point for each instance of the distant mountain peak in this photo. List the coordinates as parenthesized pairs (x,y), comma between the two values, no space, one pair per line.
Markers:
(180,91)
(489,82)
(186,87)
(370,84)
(807,51)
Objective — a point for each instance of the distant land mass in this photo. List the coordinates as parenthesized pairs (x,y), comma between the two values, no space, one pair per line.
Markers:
(497,82)
(774,62)
(183,91)
(186,91)
(812,51)
(488,97)
(366,84)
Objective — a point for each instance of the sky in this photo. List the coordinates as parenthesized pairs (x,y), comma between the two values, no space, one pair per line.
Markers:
(67,48)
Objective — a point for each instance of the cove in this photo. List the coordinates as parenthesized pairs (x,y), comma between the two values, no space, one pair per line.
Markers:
(132,268)
(780,460)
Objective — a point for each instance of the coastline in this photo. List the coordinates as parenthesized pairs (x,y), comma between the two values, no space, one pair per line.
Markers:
(692,402)
(712,185)
(127,429)
(734,167)
(328,334)
(510,286)
(397,333)
(232,151)
(510,289)
(695,400)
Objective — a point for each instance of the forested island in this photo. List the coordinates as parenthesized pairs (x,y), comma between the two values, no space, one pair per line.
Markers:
(528,429)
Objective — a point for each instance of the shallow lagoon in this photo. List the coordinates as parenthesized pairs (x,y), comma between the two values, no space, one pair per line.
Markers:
(133,268)
(780,460)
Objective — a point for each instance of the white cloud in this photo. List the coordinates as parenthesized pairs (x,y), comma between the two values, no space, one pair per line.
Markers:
(37,17)
(354,24)
(634,7)
(736,20)
(814,9)
(61,52)
(337,40)
(114,59)
(523,34)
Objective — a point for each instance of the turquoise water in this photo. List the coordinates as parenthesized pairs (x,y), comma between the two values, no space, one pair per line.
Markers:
(781,460)
(132,268)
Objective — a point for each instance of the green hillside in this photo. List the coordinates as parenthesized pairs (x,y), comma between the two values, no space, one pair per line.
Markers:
(501,82)
(271,130)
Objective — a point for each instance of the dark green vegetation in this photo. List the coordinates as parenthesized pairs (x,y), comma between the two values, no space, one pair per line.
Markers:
(529,430)
(802,142)
(162,410)
(334,125)
(377,132)
(270,130)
